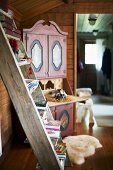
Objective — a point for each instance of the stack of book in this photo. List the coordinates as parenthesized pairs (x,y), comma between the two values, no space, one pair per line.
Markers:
(40,103)
(53,129)
(60,149)
(9,25)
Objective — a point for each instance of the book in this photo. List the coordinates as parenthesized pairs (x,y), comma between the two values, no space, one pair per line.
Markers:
(41,108)
(32,85)
(53,133)
(54,141)
(62,156)
(41,103)
(60,149)
(52,127)
(54,123)
(42,113)
(10,32)
(23,62)
(7,25)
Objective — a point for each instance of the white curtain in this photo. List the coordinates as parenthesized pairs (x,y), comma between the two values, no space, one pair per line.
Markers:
(100,51)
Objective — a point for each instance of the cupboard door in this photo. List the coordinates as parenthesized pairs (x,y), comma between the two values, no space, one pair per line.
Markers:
(37,50)
(64,113)
(57,56)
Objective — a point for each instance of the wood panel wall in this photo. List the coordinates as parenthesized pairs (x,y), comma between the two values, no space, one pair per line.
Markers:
(6,118)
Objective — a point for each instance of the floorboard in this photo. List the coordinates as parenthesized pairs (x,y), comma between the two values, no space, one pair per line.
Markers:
(21,157)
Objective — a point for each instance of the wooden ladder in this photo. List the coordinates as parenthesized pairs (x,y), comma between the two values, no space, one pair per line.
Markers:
(24,104)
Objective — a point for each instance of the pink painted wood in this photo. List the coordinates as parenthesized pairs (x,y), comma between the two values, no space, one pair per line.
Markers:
(41,27)
(47,35)
(65,122)
(61,72)
(43,42)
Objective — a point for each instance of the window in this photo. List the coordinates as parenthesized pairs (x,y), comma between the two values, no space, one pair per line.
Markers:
(90,53)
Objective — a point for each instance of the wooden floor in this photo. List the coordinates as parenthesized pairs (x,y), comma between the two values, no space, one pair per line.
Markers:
(21,157)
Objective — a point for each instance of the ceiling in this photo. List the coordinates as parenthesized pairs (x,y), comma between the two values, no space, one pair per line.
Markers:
(27,9)
(103,23)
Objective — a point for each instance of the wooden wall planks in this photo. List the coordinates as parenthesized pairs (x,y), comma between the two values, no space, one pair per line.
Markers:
(6,116)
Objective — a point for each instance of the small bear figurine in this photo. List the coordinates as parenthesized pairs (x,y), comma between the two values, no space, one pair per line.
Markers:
(58,94)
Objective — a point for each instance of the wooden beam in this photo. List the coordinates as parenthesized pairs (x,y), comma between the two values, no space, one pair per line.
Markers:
(68,1)
(25,107)
(41,9)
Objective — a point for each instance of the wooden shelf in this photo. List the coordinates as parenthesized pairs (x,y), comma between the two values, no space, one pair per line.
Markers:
(68,100)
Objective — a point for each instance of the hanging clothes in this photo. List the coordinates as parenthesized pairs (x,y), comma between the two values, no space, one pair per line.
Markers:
(106,63)
(106,69)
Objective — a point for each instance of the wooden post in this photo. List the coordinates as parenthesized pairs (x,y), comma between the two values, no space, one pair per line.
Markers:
(75,55)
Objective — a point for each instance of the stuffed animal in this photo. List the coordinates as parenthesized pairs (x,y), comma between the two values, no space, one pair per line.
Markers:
(58,94)
(14,45)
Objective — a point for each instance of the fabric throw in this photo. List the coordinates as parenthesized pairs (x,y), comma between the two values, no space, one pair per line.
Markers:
(81,146)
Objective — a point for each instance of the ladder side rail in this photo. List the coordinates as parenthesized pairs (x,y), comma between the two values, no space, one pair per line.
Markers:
(25,107)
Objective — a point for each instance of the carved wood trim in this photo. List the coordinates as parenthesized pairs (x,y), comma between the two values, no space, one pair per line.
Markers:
(41,27)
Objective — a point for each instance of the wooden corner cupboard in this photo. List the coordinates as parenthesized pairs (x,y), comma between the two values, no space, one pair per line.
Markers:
(46,45)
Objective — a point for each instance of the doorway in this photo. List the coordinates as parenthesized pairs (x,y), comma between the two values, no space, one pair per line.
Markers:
(89,76)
